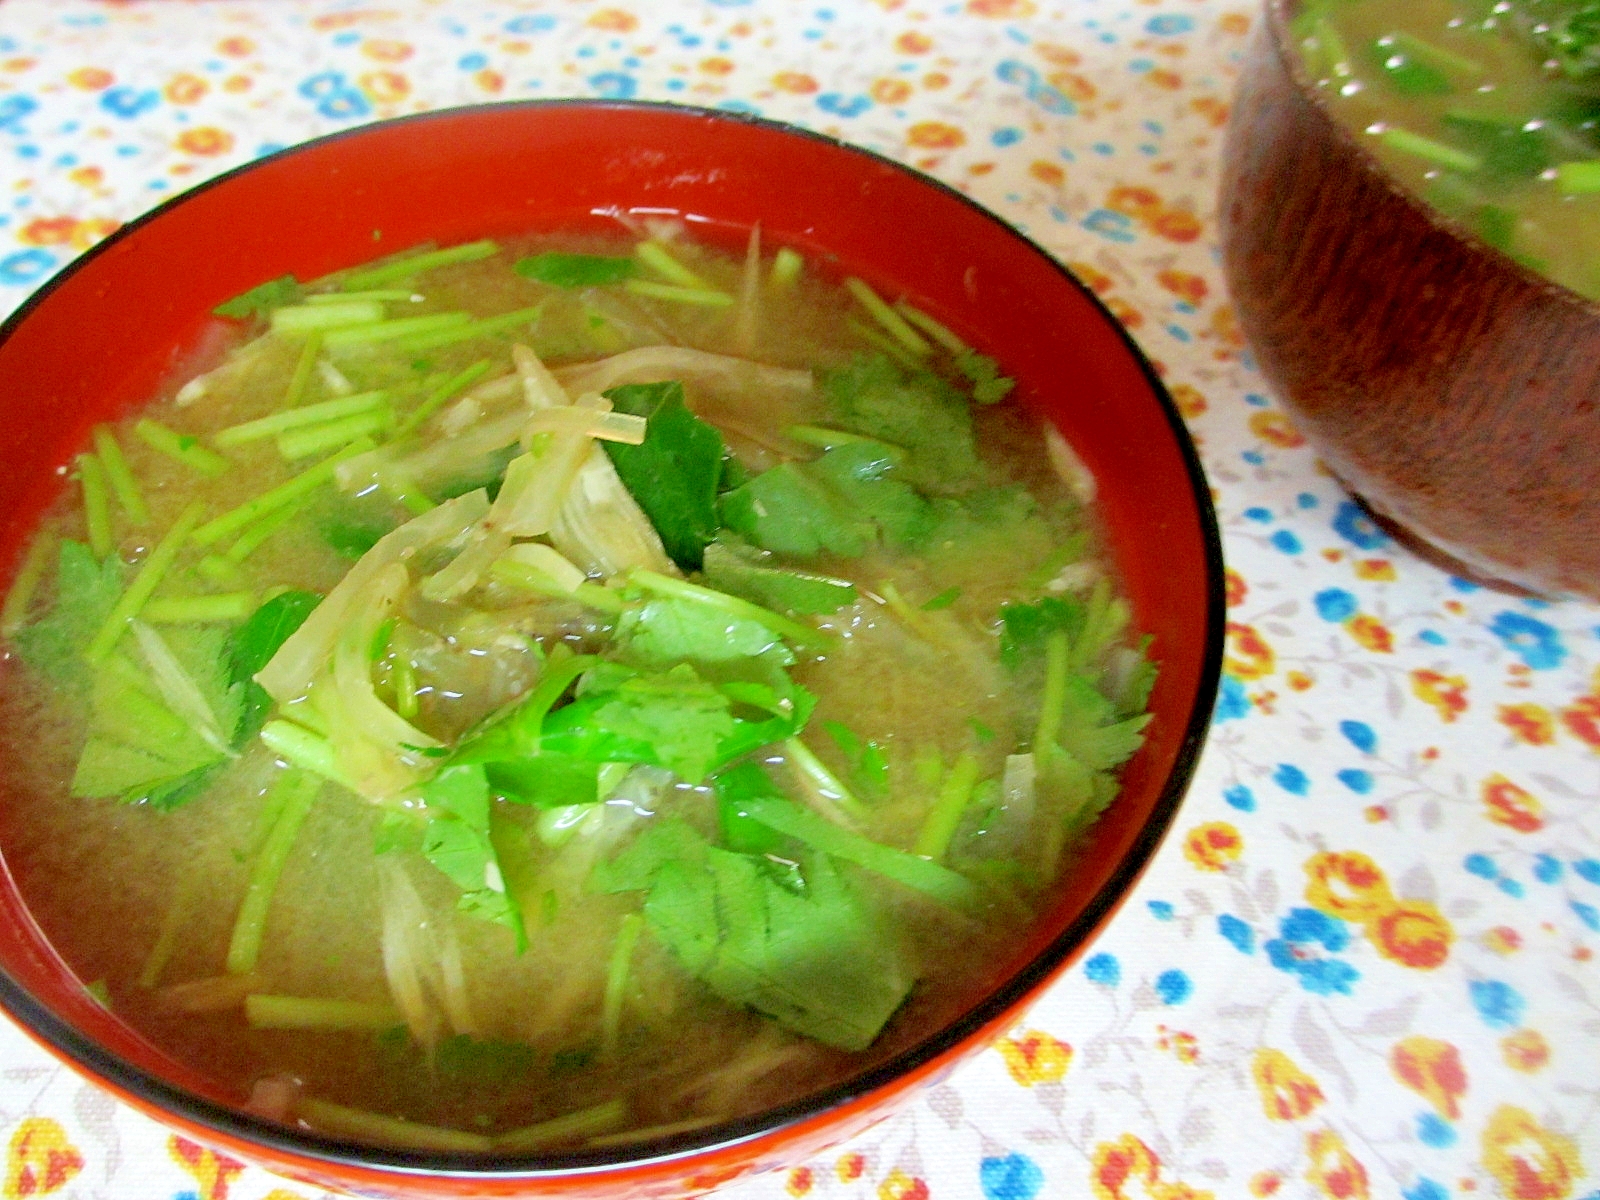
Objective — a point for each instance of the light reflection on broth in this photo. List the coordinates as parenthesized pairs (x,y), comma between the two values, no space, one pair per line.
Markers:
(622,789)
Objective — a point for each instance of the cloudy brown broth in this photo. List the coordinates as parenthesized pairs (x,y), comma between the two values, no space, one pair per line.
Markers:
(588,840)
(1487,110)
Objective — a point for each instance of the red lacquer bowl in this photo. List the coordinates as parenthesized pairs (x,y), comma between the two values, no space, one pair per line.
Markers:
(499,170)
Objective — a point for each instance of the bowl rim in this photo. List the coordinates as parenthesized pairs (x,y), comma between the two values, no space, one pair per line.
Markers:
(686,1148)
(1280,14)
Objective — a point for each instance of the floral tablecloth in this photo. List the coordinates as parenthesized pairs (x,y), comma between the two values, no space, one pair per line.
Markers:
(1364,962)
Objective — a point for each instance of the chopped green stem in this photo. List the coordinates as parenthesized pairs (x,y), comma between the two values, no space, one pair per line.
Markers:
(660,260)
(297,418)
(248,542)
(822,436)
(199,610)
(398,327)
(403,268)
(1070,551)
(405,687)
(803,759)
(183,447)
(442,394)
(96,503)
(301,379)
(285,493)
(934,329)
(381,638)
(939,827)
(1052,704)
(882,342)
(30,573)
(1334,52)
(307,750)
(552,685)
(1579,178)
(171,925)
(487,327)
(930,878)
(592,595)
(893,323)
(218,570)
(802,635)
(330,435)
(294,791)
(303,318)
(340,1120)
(596,1119)
(786,267)
(943,600)
(1429,150)
(617,983)
(1433,55)
(120,476)
(151,572)
(706,297)
(382,295)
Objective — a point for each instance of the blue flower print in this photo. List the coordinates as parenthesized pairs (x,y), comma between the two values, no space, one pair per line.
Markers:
(1304,934)
(1355,527)
(1537,644)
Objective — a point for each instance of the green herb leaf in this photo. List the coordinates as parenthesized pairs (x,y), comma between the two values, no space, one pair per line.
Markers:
(817,960)
(261,299)
(988,385)
(1025,627)
(731,566)
(866,475)
(786,510)
(665,630)
(916,411)
(674,472)
(458,842)
(575,270)
(251,647)
(86,591)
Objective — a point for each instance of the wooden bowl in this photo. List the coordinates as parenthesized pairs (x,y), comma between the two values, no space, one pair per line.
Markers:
(1454,392)
(519,168)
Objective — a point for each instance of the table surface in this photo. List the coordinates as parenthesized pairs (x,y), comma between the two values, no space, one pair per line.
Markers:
(1268,1015)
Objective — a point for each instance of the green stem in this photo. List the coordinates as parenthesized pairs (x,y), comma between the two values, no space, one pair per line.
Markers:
(531,579)
(939,827)
(598,1118)
(330,435)
(786,267)
(30,573)
(186,449)
(307,318)
(306,750)
(893,323)
(96,503)
(617,983)
(396,327)
(296,418)
(295,792)
(307,481)
(938,332)
(342,1121)
(442,395)
(660,260)
(151,572)
(1580,178)
(171,924)
(199,610)
(1053,703)
(805,760)
(488,327)
(301,379)
(663,585)
(265,1011)
(248,542)
(705,297)
(414,264)
(120,476)
(1429,150)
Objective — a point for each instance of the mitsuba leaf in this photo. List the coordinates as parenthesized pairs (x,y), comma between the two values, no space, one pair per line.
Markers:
(1024,627)
(86,590)
(740,570)
(674,473)
(864,475)
(260,300)
(815,959)
(457,841)
(575,270)
(664,630)
(916,411)
(785,510)
(251,647)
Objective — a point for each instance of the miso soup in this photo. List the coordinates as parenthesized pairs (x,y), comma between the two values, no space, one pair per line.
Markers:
(1488,109)
(547,695)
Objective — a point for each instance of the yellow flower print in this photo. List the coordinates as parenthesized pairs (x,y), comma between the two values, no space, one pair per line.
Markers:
(1035,1057)
(1525,1051)
(1212,846)
(1248,655)
(1414,934)
(212,1171)
(1287,1092)
(1433,1070)
(1348,885)
(1530,1161)
(1336,1172)
(1446,693)
(40,1159)
(900,1186)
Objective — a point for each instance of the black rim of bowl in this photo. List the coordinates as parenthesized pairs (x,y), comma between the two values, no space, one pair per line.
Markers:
(235,1124)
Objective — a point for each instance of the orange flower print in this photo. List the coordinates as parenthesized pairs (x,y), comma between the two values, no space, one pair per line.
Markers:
(1348,885)
(913,42)
(1165,78)
(1055,52)
(1035,1057)
(800,1181)
(890,91)
(1124,312)
(1525,1051)
(1379,570)
(615,20)
(935,135)
(1212,846)
(1225,327)
(236,47)
(91,79)
(1212,109)
(1177,225)
(40,1159)
(1249,656)
(1446,693)
(212,1171)
(47,231)
(386,50)
(1120,1163)
(900,1186)
(1371,633)
(1334,1170)
(1073,86)
(1530,1161)
(385,87)
(716,65)
(1287,1092)
(794,82)
(1186,285)
(1235,587)
(185,88)
(1530,724)
(1140,203)
(206,140)
(1275,428)
(1098,281)
(1191,401)
(1510,805)
(1009,9)
(1414,934)
(1265,1183)
(1432,1069)
(850,1167)
(1047,173)
(1582,720)
(1503,940)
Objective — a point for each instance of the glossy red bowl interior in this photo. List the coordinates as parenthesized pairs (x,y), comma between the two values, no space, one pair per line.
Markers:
(100,339)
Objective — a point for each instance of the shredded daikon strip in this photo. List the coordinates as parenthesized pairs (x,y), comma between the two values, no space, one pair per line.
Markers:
(406,951)
(290,673)
(352,664)
(178,688)
(1078,478)
(601,526)
(650,364)
(548,562)
(540,387)
(747,322)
